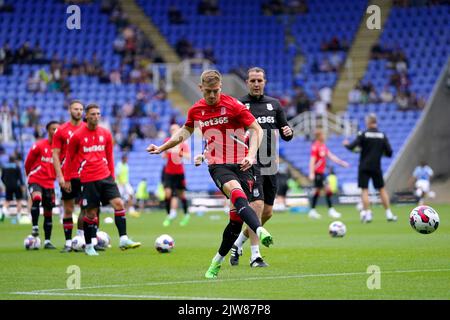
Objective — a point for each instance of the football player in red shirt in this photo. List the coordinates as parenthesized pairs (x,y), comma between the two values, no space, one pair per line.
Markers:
(94,147)
(317,166)
(41,182)
(223,121)
(70,192)
(174,179)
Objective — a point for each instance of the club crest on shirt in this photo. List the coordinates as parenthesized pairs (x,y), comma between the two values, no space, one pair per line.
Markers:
(223,111)
(101,138)
(247,105)
(269,106)
(203,112)
(86,140)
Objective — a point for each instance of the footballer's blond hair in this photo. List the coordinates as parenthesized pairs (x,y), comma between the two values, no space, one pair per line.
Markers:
(210,77)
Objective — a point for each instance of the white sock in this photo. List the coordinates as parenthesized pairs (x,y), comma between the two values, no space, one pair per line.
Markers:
(218,258)
(68,243)
(88,246)
(123,238)
(255,252)
(172,214)
(240,240)
(94,241)
(389,213)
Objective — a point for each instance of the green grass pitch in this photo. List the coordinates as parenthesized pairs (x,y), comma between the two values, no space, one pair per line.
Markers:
(305,262)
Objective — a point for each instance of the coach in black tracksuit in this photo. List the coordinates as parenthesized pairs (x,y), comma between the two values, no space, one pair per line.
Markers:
(373,145)
(13,181)
(270,116)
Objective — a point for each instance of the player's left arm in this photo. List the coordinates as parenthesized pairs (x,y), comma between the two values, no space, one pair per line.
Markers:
(109,149)
(337,160)
(286,132)
(256,136)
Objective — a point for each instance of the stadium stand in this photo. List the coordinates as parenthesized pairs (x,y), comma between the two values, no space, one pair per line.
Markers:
(421,34)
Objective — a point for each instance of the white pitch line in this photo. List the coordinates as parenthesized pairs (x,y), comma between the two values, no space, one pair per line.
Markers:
(298,276)
(112,295)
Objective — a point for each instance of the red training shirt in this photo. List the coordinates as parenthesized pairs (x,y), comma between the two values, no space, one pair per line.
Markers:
(39,165)
(223,126)
(320,151)
(174,163)
(60,141)
(95,151)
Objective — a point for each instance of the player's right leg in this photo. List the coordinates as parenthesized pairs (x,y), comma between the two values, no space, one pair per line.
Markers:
(363,183)
(48,203)
(169,203)
(248,215)
(365,214)
(230,234)
(90,221)
(69,206)
(313,214)
(386,203)
(378,183)
(181,194)
(236,250)
(36,198)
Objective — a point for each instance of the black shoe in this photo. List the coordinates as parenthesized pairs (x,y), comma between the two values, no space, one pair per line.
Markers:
(258,263)
(49,246)
(35,233)
(234,256)
(66,249)
(99,248)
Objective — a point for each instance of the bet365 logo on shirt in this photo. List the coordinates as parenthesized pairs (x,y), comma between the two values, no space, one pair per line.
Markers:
(268,119)
(213,121)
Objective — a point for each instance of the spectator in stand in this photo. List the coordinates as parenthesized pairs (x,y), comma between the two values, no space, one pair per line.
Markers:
(301,100)
(325,95)
(355,95)
(33,82)
(273,7)
(208,8)
(386,95)
(175,15)
(296,7)
(25,54)
(208,54)
(402,101)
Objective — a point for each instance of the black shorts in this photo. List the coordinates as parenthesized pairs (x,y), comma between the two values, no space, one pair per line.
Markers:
(365,175)
(48,195)
(75,193)
(223,173)
(100,192)
(319,180)
(265,187)
(11,192)
(174,181)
